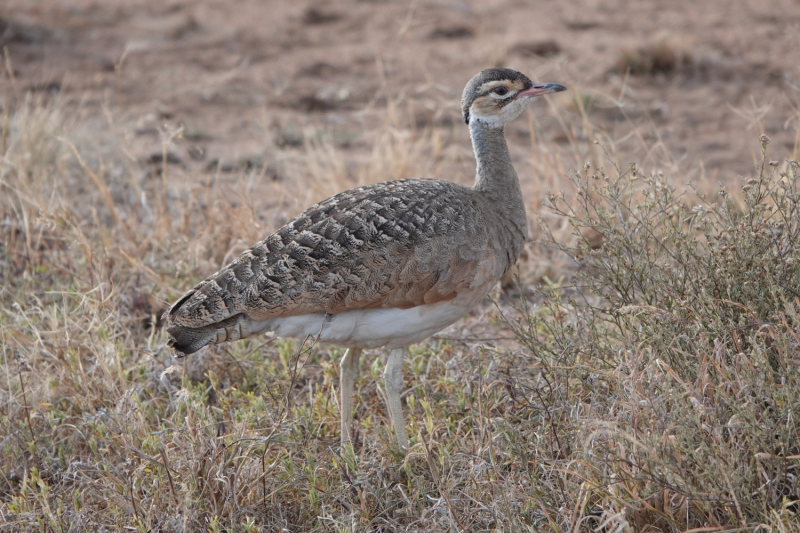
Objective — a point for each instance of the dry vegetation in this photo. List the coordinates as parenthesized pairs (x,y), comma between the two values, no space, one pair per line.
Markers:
(653,388)
(642,375)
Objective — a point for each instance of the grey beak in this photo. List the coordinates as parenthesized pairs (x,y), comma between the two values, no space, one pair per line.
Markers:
(538,89)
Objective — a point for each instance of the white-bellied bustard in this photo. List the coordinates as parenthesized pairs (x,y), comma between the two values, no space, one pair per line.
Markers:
(386,265)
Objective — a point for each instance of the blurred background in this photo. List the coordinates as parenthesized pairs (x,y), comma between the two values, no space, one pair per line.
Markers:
(191,130)
(172,135)
(682,84)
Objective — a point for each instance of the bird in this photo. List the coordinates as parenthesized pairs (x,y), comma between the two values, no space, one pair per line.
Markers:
(380,266)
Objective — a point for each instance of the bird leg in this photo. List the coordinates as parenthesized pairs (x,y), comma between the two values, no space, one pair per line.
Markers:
(393,376)
(348,370)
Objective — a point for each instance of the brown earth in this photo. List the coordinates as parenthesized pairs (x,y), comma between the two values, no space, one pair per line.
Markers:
(681,82)
(681,86)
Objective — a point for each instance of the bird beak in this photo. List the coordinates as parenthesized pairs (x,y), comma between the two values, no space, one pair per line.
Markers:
(538,89)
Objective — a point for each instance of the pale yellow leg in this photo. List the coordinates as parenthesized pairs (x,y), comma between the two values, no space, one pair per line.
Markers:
(348,370)
(393,376)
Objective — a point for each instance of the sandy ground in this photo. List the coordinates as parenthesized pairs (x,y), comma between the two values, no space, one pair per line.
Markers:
(243,76)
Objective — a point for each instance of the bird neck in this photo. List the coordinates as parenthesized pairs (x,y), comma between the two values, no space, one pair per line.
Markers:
(496,178)
(495,173)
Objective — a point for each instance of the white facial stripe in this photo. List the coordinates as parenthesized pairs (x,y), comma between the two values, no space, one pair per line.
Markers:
(491,85)
(487,89)
(505,114)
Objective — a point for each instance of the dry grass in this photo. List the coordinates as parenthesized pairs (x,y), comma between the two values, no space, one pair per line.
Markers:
(635,413)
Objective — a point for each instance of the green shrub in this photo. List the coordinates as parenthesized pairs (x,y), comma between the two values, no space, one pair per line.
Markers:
(671,372)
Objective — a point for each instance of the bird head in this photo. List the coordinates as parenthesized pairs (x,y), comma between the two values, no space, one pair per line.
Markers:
(496,96)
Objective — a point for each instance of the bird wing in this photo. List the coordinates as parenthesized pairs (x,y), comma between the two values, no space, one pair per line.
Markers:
(396,244)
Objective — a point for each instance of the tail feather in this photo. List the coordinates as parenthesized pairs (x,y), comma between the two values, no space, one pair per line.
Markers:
(188,340)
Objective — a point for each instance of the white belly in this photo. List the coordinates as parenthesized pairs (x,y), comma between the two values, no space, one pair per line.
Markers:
(372,328)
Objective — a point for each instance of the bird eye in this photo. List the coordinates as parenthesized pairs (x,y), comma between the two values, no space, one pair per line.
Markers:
(500,91)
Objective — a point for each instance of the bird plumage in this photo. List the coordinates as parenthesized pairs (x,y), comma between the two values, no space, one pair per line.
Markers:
(384,265)
(398,244)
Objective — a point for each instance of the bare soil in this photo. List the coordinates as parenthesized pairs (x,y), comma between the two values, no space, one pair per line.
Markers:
(681,85)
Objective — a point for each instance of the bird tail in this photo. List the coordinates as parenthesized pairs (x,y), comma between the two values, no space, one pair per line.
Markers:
(187,340)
